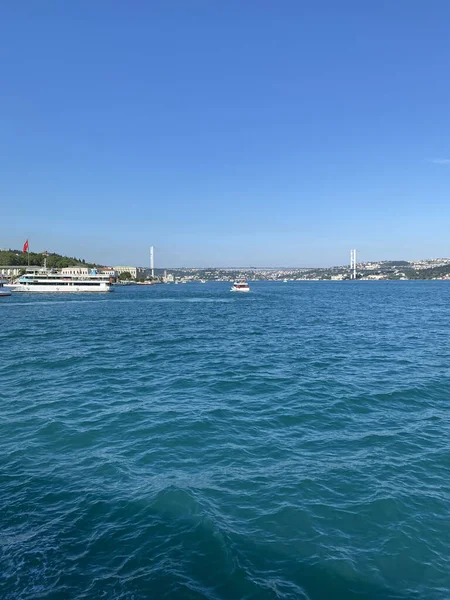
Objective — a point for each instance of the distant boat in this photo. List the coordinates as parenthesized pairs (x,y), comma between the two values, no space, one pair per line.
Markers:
(285,280)
(4,291)
(240,285)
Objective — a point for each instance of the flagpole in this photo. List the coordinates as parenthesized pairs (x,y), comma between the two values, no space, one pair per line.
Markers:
(28,252)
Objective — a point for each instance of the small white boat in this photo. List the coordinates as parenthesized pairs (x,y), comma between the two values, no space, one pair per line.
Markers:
(4,291)
(240,285)
(285,280)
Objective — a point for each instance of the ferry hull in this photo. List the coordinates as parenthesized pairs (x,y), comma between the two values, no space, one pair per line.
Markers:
(64,289)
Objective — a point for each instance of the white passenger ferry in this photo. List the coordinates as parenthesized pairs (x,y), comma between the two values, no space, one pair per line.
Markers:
(70,279)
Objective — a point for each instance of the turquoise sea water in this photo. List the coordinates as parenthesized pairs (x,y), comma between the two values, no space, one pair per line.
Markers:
(186,442)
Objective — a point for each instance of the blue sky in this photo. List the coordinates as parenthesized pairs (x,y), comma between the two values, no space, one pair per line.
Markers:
(226,133)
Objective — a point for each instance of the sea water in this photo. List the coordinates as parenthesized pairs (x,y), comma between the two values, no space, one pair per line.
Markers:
(188,442)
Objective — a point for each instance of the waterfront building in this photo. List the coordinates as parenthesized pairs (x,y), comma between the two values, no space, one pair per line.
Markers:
(10,271)
(108,271)
(75,270)
(135,272)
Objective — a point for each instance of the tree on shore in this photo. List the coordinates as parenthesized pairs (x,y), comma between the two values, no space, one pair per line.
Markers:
(125,276)
(17,258)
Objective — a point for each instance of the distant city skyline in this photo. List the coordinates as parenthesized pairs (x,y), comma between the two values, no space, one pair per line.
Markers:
(226,133)
(222,264)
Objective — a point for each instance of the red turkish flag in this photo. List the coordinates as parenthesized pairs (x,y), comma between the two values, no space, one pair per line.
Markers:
(25,247)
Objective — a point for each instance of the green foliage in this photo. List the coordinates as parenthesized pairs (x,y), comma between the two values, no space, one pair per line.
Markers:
(54,261)
(126,276)
(431,273)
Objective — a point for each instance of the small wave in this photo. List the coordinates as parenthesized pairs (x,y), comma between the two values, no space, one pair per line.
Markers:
(177,445)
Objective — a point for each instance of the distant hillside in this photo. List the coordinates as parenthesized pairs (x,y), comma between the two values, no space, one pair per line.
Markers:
(431,273)
(18,258)
(395,263)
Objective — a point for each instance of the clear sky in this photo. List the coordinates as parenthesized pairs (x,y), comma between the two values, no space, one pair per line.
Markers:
(237,132)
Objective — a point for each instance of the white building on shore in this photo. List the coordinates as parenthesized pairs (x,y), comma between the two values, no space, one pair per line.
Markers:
(79,270)
(14,270)
(135,272)
(75,270)
(108,271)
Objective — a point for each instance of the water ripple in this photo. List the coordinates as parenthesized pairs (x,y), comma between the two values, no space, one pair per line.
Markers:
(184,442)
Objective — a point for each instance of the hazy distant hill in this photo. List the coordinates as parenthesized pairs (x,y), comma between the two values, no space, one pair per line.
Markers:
(431,273)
